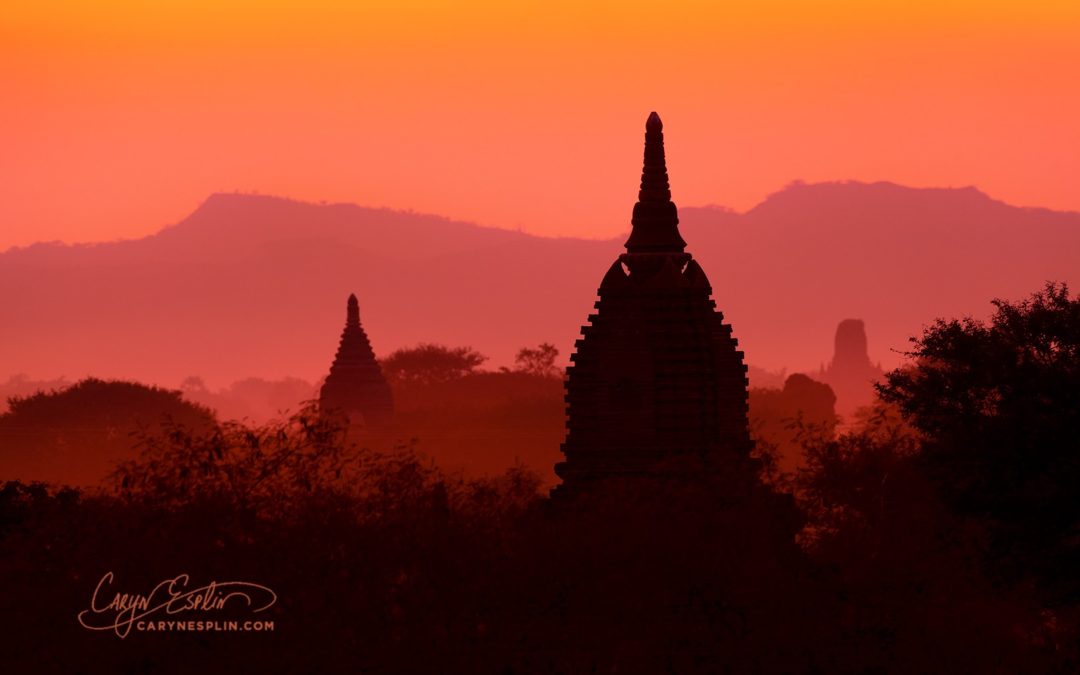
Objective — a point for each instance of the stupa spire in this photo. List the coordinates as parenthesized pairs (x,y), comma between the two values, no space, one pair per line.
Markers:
(352,315)
(656,219)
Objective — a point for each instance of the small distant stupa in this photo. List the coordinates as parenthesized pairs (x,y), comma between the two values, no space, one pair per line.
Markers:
(657,386)
(356,386)
(851,373)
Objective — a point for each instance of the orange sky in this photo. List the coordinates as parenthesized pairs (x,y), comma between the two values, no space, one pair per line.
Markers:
(120,116)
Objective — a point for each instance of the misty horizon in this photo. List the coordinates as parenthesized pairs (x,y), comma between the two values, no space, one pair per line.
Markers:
(241,268)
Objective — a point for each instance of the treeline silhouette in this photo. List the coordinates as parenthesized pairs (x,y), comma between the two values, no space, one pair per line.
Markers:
(935,535)
(466,418)
(75,435)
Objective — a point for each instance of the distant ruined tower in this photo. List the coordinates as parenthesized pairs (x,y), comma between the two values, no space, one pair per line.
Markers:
(356,386)
(851,374)
(657,386)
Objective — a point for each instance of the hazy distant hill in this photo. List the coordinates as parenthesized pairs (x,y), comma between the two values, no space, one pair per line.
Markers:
(253,285)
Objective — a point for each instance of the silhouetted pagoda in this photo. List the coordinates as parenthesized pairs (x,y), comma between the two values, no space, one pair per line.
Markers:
(657,386)
(356,386)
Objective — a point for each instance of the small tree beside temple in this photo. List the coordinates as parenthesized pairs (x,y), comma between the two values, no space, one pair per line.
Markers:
(539,361)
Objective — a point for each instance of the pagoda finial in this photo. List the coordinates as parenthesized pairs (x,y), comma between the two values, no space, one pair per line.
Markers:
(654,178)
(656,220)
(352,317)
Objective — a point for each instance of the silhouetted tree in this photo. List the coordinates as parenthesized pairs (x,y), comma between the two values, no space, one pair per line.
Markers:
(905,569)
(239,466)
(998,405)
(849,483)
(431,364)
(193,384)
(539,361)
(74,435)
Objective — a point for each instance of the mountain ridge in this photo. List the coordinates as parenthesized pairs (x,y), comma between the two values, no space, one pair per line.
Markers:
(253,285)
(214,202)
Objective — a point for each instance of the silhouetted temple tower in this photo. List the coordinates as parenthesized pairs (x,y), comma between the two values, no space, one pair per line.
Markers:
(851,374)
(356,386)
(657,386)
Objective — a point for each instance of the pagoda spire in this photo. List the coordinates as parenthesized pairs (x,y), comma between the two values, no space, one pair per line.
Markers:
(352,315)
(656,219)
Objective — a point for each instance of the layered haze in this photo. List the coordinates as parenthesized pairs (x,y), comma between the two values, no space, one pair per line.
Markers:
(253,285)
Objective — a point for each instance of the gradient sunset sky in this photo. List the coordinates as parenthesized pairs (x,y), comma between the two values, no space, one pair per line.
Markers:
(121,116)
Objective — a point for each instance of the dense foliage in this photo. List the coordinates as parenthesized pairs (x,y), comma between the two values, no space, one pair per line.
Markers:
(75,434)
(998,405)
(431,364)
